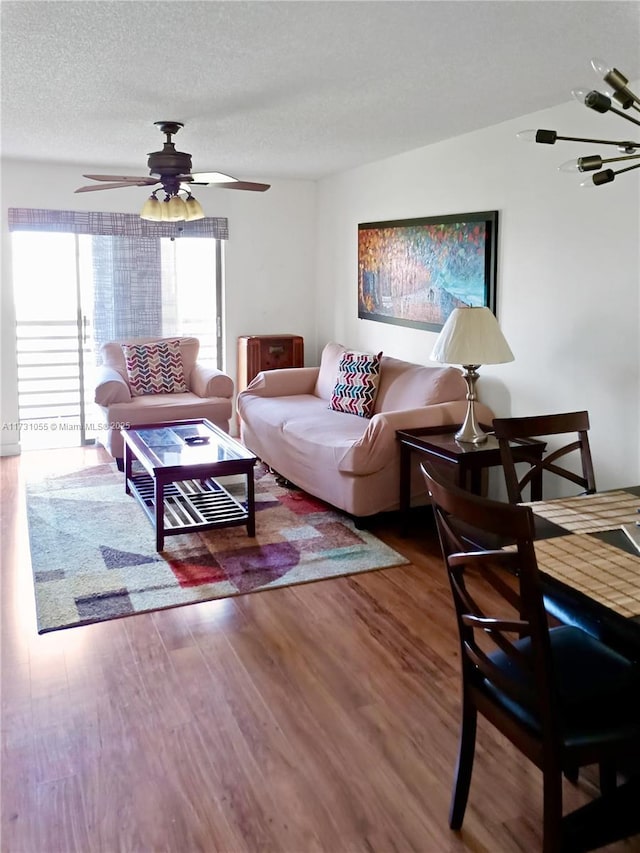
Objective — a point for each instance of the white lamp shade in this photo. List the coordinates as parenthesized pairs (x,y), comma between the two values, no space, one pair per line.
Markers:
(193,210)
(471,336)
(176,209)
(151,210)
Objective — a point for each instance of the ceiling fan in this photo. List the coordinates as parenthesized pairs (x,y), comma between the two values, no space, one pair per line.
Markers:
(172,170)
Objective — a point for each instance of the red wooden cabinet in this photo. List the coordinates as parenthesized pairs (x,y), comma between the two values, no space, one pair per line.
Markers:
(267,352)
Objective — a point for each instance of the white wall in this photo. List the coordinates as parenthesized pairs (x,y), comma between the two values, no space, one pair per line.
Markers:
(568,270)
(568,267)
(269,257)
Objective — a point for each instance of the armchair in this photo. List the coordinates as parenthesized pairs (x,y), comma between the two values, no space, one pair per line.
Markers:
(208,393)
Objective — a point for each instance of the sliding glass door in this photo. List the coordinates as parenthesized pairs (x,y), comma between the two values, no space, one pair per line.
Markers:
(74,292)
(54,341)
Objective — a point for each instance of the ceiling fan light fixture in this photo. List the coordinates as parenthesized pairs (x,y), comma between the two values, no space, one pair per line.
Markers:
(176,210)
(152,209)
(193,209)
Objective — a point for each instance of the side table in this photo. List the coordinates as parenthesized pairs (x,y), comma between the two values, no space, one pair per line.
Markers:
(466,460)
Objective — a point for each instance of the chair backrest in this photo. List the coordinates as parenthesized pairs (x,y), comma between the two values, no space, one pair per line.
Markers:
(502,623)
(511,431)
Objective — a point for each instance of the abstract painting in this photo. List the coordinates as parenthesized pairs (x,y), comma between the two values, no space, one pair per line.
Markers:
(414,272)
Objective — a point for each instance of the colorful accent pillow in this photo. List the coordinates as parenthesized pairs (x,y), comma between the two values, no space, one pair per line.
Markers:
(357,383)
(154,368)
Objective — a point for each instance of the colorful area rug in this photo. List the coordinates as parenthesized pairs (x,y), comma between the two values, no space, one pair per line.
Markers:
(93,549)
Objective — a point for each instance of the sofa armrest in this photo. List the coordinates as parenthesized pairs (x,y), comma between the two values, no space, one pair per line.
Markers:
(283,382)
(110,387)
(210,382)
(378,444)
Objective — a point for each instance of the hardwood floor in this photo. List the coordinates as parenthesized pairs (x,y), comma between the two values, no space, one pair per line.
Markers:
(320,718)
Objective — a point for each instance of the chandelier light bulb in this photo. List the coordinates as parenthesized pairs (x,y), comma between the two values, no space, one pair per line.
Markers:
(580,94)
(582,164)
(526,136)
(548,137)
(601,67)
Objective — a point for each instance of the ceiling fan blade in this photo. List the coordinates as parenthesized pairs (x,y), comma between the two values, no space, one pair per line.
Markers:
(243,185)
(219,179)
(211,177)
(127,178)
(109,186)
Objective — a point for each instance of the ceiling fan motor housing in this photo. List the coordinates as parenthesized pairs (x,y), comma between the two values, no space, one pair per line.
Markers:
(169,162)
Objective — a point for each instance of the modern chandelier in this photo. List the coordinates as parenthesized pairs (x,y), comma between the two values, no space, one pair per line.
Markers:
(602,102)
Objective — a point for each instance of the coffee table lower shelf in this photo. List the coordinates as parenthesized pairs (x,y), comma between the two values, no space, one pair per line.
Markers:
(190,505)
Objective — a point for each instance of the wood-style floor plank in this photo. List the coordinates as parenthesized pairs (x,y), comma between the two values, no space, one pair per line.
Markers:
(321,718)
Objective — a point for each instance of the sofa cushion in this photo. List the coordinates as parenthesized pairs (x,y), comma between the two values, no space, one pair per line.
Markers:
(160,408)
(356,384)
(329,362)
(154,368)
(404,385)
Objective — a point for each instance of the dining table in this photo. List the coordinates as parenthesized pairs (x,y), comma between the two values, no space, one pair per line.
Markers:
(590,566)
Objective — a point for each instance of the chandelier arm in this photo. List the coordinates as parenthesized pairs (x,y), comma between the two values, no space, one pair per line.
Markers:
(606,176)
(624,115)
(627,169)
(625,144)
(624,93)
(618,159)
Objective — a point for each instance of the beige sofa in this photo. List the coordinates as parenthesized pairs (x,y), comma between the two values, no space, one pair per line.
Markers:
(348,461)
(209,396)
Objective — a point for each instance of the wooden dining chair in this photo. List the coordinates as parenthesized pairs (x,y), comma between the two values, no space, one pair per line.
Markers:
(510,431)
(562,697)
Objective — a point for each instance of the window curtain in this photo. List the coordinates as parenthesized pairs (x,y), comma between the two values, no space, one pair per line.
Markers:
(113,224)
(132,268)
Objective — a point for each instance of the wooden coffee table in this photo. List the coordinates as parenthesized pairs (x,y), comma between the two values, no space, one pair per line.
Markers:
(175,479)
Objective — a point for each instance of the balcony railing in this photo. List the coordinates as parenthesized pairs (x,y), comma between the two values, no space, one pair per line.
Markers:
(55,387)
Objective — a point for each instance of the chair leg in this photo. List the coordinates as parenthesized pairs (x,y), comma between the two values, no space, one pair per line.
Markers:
(608,777)
(552,808)
(572,774)
(466,752)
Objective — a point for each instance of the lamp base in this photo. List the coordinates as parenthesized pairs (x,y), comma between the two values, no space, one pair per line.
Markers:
(470,431)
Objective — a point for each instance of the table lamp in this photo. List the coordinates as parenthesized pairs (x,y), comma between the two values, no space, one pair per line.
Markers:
(471,337)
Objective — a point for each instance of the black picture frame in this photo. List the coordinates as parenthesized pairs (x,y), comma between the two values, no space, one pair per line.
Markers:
(414,272)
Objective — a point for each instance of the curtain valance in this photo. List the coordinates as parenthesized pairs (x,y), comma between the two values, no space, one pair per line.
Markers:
(113,224)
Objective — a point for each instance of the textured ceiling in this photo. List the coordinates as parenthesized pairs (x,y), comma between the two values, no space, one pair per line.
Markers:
(300,89)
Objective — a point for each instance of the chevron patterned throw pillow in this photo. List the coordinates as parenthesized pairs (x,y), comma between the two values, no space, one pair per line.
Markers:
(357,383)
(154,368)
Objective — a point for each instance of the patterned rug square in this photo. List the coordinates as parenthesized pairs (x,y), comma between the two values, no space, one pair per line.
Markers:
(93,549)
